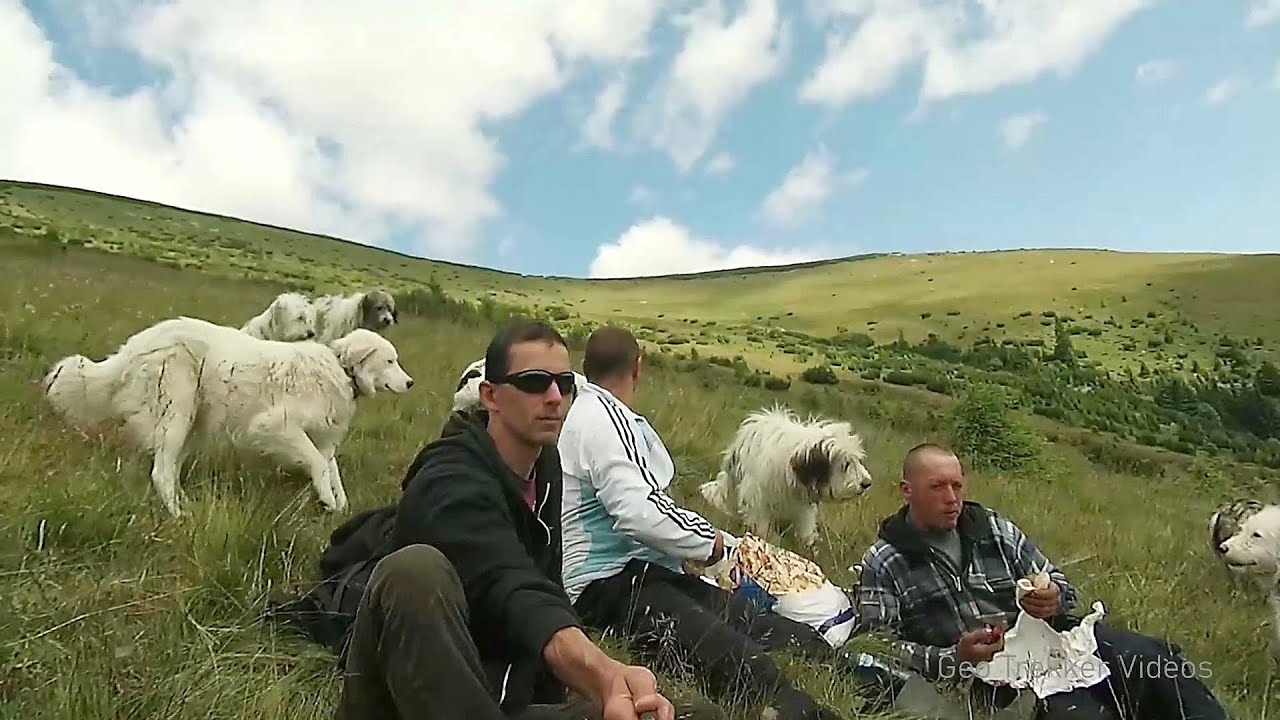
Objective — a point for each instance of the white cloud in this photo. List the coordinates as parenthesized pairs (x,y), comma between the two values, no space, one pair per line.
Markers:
(1017,129)
(966,46)
(1221,91)
(806,188)
(597,129)
(1154,71)
(253,90)
(660,246)
(1263,12)
(721,62)
(721,164)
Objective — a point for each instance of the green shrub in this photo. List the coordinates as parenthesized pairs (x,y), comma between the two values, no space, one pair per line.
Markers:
(819,375)
(984,430)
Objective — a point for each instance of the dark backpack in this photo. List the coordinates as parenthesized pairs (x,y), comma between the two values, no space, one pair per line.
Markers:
(325,613)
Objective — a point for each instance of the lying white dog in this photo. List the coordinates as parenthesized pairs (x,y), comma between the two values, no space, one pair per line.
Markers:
(1246,538)
(466,395)
(778,468)
(182,377)
(338,315)
(290,317)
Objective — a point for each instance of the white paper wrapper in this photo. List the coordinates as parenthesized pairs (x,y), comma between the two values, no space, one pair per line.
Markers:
(1044,660)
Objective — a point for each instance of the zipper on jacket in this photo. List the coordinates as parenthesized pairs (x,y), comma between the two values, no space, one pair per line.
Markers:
(538,512)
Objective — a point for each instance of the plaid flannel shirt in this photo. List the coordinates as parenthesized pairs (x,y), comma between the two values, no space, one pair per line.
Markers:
(916,593)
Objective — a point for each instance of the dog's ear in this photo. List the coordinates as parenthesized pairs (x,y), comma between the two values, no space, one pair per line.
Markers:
(276,317)
(812,468)
(350,352)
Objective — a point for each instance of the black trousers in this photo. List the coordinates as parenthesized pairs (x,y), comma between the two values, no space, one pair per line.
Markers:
(725,637)
(1149,680)
(411,655)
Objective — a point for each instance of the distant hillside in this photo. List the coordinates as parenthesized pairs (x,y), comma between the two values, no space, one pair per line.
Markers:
(1125,309)
(1176,351)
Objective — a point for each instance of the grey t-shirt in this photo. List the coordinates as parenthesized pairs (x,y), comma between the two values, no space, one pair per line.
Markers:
(948,542)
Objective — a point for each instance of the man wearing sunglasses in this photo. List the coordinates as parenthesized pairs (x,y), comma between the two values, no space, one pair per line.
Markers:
(467,618)
(626,541)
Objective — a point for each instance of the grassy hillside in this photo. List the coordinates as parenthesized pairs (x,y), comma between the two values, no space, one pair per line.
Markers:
(1174,351)
(1152,308)
(113,610)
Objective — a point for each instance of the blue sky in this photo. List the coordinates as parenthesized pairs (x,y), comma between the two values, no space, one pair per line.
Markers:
(616,137)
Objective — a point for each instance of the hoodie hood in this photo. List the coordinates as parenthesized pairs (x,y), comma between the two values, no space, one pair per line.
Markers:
(464,429)
(898,531)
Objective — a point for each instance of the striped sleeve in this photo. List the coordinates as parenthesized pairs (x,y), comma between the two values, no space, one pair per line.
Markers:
(631,494)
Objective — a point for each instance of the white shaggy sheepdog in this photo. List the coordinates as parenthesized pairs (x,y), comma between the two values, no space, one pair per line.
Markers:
(289,318)
(186,377)
(466,395)
(778,468)
(1246,538)
(338,315)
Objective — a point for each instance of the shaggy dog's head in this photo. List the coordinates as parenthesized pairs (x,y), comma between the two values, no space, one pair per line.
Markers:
(832,466)
(292,318)
(377,310)
(1255,548)
(1226,521)
(371,361)
(467,395)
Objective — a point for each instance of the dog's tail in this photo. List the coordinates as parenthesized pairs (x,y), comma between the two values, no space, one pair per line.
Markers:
(716,492)
(82,390)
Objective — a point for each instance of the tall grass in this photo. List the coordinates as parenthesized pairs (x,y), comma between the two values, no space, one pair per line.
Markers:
(111,609)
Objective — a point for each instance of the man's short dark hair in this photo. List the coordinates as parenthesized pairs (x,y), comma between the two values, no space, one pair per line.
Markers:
(915,455)
(497,358)
(610,350)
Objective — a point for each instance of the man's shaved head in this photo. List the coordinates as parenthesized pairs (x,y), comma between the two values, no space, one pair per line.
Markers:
(933,486)
(920,457)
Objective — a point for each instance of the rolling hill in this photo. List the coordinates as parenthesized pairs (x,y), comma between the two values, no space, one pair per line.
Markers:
(1127,308)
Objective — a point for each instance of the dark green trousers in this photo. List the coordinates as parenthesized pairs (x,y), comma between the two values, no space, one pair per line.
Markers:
(411,656)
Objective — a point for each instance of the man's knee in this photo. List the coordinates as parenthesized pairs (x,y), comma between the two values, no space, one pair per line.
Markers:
(417,575)
(1127,643)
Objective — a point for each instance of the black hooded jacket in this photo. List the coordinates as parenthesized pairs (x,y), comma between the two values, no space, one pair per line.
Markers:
(460,497)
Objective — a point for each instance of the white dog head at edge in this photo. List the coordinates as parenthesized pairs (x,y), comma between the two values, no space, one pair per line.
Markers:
(1256,547)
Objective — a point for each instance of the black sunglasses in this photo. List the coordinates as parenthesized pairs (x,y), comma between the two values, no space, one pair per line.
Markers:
(536,382)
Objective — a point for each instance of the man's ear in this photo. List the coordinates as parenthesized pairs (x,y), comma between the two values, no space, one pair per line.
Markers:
(486,394)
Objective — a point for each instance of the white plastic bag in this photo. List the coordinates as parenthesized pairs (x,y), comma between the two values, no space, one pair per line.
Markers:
(826,609)
(767,574)
(1047,661)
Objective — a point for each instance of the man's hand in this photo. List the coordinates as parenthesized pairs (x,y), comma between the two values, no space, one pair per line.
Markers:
(622,692)
(980,645)
(631,693)
(717,550)
(1043,604)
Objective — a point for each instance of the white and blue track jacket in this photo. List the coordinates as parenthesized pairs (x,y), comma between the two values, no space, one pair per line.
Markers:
(615,509)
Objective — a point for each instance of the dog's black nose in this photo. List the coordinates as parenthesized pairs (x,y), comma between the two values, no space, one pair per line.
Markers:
(409,384)
(1222,548)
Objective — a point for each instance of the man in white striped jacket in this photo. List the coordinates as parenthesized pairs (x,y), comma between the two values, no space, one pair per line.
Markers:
(625,540)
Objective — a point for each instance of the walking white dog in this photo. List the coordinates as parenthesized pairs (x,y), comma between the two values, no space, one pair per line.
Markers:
(186,377)
(338,315)
(466,395)
(289,318)
(778,468)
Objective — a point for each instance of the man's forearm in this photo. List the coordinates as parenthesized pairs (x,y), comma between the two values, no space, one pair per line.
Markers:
(578,663)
